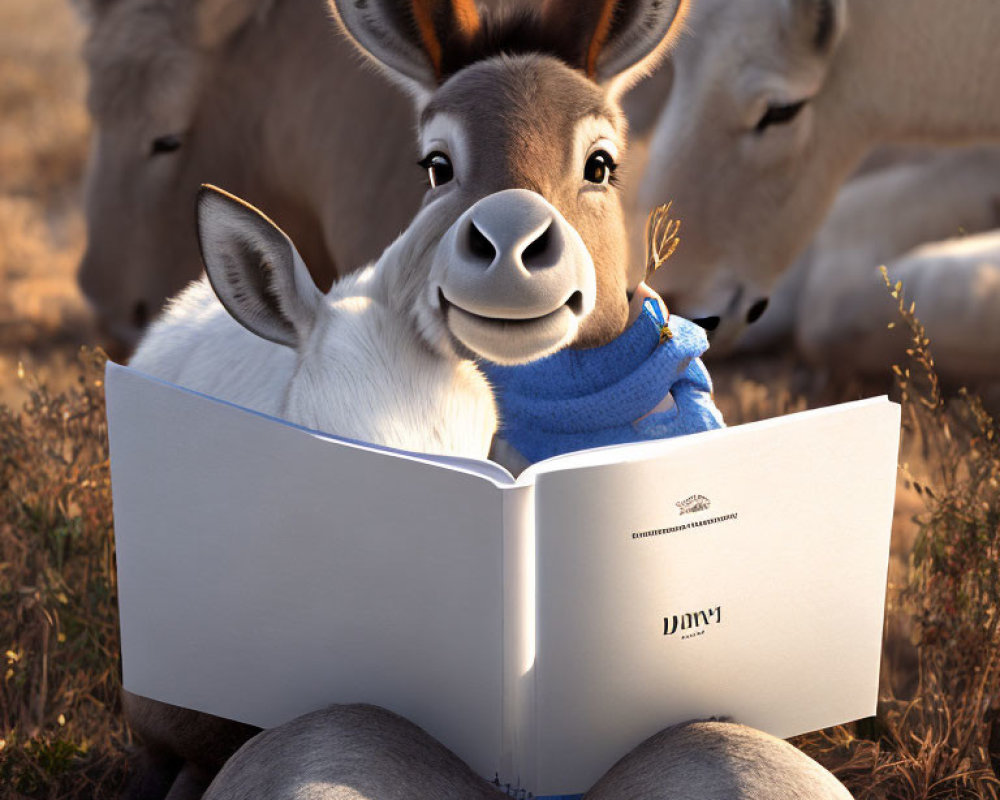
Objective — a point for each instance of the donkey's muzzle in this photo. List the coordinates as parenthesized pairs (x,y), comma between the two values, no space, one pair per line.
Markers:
(514,230)
(513,277)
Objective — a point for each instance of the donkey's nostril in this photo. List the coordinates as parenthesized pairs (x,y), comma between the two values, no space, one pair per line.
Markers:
(140,314)
(756,311)
(479,245)
(537,248)
(708,323)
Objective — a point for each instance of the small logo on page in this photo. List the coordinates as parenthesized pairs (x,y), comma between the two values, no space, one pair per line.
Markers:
(693,623)
(696,502)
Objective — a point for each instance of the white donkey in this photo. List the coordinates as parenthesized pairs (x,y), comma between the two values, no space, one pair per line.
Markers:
(520,248)
(356,362)
(774,103)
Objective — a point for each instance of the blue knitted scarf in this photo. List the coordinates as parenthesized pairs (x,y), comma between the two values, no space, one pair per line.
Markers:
(577,399)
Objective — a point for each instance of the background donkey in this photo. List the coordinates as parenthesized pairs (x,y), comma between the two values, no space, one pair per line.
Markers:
(520,245)
(258,96)
(774,104)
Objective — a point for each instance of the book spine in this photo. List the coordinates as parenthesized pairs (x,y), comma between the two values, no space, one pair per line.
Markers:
(519,753)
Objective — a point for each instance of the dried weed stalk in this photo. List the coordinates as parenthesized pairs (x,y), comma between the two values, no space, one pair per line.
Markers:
(943,741)
(661,238)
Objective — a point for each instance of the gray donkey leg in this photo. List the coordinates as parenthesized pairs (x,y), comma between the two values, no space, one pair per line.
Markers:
(179,750)
(348,752)
(716,761)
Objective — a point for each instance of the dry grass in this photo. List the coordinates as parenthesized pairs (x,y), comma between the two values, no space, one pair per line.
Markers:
(941,739)
(62,736)
(59,707)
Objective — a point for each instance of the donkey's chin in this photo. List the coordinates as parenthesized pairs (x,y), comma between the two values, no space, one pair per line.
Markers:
(513,341)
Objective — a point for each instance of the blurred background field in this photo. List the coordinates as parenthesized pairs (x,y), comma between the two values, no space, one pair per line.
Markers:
(44,131)
(61,732)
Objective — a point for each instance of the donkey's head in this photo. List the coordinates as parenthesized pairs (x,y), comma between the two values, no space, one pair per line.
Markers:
(520,246)
(185,92)
(750,148)
(151,63)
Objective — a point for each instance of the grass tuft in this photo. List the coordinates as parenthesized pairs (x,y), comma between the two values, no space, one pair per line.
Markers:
(61,729)
(941,739)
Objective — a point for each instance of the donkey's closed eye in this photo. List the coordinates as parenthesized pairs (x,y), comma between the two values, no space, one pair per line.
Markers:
(165,144)
(779,115)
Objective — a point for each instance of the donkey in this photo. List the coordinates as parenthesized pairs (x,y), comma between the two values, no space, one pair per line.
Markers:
(519,247)
(774,103)
(359,361)
(259,96)
(367,753)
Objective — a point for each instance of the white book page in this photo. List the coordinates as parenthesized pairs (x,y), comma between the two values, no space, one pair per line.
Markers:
(266,571)
(780,560)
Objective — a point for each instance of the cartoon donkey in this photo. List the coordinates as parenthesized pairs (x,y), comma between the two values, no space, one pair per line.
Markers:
(517,118)
(519,249)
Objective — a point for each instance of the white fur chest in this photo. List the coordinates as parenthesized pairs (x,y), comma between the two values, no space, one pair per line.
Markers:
(365,375)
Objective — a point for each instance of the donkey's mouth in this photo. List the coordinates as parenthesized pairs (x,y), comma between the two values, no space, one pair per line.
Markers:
(513,340)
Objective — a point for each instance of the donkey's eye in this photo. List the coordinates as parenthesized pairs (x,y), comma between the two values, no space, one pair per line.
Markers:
(165,144)
(439,169)
(779,115)
(600,167)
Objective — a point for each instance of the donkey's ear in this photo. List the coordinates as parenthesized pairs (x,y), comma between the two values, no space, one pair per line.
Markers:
(406,38)
(255,270)
(622,40)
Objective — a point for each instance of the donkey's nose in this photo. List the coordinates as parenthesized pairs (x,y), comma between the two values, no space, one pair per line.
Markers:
(514,228)
(537,253)
(513,256)
(480,248)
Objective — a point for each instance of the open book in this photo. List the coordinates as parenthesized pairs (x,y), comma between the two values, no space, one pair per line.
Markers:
(539,627)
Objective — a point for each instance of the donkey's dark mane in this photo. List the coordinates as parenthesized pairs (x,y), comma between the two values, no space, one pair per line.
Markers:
(518,32)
